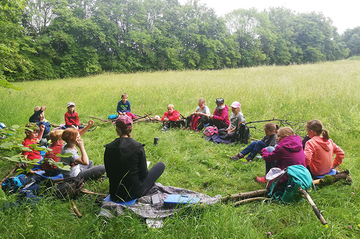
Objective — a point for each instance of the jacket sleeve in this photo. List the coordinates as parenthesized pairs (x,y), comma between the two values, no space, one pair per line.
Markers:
(77,121)
(339,155)
(273,156)
(118,108)
(309,151)
(164,116)
(174,116)
(223,115)
(67,122)
(35,117)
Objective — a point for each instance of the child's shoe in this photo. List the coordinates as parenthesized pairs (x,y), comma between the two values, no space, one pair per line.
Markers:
(261,179)
(237,157)
(248,160)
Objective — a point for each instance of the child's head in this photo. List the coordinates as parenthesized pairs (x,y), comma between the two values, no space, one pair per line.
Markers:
(270,129)
(70,135)
(32,131)
(170,108)
(201,103)
(284,132)
(124,97)
(235,107)
(123,125)
(316,128)
(56,135)
(219,101)
(37,108)
(71,107)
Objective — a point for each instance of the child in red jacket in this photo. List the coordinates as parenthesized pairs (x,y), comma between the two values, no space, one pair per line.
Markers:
(171,118)
(33,136)
(71,117)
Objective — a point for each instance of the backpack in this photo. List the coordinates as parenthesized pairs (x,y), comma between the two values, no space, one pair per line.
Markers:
(65,188)
(241,135)
(210,131)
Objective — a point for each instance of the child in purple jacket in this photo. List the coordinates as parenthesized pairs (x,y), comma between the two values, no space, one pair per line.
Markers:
(289,151)
(220,118)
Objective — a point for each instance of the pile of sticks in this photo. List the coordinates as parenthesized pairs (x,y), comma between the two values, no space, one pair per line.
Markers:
(145,118)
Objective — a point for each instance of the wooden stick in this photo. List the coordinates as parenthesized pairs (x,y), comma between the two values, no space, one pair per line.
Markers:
(330,179)
(8,175)
(99,119)
(75,209)
(250,200)
(236,197)
(83,190)
(316,210)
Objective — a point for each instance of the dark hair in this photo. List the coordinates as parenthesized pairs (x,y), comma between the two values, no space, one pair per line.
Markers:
(123,129)
(271,127)
(318,128)
(32,127)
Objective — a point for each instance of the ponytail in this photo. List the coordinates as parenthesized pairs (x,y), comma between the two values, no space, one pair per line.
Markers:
(325,134)
(317,127)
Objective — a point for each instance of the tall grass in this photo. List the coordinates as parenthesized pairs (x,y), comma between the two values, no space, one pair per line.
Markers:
(326,91)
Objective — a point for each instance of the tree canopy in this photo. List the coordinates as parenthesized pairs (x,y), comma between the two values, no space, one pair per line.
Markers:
(46,39)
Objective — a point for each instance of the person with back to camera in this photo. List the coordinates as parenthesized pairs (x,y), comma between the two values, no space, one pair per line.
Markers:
(319,150)
(288,152)
(220,118)
(256,146)
(125,164)
(80,166)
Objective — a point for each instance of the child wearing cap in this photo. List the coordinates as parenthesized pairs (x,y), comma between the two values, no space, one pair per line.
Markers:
(220,118)
(71,117)
(236,118)
(39,118)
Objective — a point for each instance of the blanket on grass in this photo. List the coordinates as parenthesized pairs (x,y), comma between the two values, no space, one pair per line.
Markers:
(146,209)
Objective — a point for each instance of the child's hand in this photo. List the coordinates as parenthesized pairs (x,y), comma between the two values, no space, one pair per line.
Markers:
(166,119)
(43,108)
(211,116)
(91,123)
(42,127)
(79,142)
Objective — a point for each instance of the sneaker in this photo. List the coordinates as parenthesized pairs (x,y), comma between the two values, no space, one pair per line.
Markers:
(164,129)
(237,157)
(247,161)
(261,179)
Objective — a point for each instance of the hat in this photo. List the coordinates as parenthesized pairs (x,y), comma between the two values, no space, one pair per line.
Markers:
(219,101)
(235,104)
(71,104)
(125,119)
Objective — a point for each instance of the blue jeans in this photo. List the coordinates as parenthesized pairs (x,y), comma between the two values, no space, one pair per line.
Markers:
(254,148)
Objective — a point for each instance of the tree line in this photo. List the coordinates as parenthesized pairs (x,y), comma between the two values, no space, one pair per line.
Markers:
(47,39)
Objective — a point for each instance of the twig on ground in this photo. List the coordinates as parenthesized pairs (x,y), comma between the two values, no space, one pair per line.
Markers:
(75,209)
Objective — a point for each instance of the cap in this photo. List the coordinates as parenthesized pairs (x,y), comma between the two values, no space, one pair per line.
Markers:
(71,104)
(125,119)
(219,101)
(235,104)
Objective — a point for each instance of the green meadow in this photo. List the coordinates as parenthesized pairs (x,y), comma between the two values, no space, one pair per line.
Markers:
(326,91)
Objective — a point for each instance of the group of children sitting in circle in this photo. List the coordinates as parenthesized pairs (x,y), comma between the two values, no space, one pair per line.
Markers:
(125,160)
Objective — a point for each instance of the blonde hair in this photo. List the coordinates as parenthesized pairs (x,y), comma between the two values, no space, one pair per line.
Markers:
(170,106)
(286,131)
(55,135)
(318,128)
(202,100)
(37,108)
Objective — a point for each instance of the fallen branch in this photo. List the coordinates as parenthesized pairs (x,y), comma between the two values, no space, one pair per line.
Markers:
(8,175)
(331,179)
(83,190)
(250,200)
(238,196)
(75,209)
(313,205)
(100,119)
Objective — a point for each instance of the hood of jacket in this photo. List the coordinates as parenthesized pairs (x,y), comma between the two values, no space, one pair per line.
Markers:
(292,143)
(325,144)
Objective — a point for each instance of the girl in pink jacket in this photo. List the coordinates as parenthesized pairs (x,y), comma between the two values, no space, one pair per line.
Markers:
(319,150)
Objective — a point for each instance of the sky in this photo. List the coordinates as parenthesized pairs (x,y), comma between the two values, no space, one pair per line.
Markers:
(344,13)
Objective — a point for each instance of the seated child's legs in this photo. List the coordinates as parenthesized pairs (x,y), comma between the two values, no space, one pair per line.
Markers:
(249,148)
(254,148)
(202,122)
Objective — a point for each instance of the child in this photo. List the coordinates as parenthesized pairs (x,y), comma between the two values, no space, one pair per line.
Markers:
(33,136)
(197,119)
(254,148)
(288,152)
(80,166)
(39,118)
(124,107)
(71,117)
(56,146)
(236,118)
(319,150)
(170,118)
(220,118)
